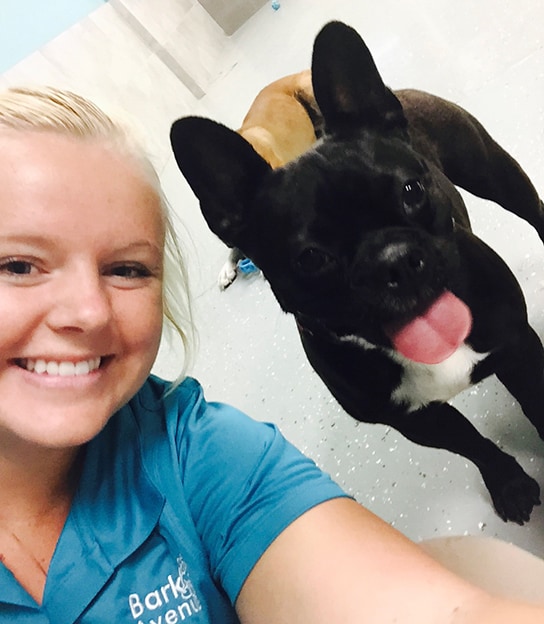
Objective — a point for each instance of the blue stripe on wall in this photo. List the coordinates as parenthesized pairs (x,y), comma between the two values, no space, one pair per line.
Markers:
(26,25)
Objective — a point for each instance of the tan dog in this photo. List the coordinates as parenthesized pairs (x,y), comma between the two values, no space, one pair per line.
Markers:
(279,123)
(280,127)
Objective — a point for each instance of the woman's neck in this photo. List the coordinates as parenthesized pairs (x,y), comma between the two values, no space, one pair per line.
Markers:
(37,486)
(33,480)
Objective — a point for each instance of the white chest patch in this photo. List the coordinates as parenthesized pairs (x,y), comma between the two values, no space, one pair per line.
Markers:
(423,383)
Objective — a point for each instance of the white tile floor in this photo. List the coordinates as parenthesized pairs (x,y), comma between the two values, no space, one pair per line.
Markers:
(488,56)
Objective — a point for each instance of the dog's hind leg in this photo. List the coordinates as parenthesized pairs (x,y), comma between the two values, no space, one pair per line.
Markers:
(499,177)
(229,270)
(467,154)
(440,425)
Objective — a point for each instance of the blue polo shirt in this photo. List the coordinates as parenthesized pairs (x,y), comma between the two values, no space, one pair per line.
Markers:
(177,501)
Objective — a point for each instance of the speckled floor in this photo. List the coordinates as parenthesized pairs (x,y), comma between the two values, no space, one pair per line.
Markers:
(487,56)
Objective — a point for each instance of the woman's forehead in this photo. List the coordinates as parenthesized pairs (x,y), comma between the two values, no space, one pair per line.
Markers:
(47,176)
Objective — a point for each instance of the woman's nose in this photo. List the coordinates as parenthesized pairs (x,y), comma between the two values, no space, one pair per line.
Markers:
(81,302)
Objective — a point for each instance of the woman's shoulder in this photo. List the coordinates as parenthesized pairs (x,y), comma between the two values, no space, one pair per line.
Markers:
(159,398)
(184,413)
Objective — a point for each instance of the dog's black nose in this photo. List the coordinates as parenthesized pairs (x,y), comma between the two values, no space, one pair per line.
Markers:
(396,267)
(400,263)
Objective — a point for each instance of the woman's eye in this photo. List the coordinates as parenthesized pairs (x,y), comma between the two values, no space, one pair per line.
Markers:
(16,267)
(130,271)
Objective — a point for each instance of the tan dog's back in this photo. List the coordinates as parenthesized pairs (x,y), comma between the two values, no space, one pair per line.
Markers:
(278,125)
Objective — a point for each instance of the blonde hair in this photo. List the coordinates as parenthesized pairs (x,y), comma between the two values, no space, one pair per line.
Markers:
(65,112)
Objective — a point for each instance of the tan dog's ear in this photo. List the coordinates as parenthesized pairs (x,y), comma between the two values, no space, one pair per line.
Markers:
(222,169)
(347,86)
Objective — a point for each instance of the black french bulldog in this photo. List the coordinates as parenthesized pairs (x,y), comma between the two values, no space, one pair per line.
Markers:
(367,242)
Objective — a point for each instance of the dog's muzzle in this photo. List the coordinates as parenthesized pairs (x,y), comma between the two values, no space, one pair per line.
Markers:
(401,276)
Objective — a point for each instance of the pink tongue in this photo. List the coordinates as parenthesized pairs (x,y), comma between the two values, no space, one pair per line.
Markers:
(436,334)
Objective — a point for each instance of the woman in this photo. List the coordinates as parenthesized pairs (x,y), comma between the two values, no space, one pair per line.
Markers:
(124,498)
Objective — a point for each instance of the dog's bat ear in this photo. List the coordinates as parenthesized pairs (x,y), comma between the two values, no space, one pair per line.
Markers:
(347,85)
(222,169)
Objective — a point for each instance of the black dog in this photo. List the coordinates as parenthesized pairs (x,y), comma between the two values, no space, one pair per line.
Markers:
(365,239)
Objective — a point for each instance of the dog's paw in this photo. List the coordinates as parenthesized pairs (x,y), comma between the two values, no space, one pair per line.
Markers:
(514,500)
(227,275)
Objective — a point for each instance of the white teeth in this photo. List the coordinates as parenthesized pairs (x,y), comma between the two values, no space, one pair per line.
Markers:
(68,369)
(40,366)
(63,369)
(82,368)
(52,368)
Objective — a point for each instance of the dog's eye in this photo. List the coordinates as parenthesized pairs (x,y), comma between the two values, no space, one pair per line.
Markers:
(413,196)
(313,261)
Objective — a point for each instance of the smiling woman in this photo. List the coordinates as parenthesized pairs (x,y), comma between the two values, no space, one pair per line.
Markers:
(89,269)
(103,233)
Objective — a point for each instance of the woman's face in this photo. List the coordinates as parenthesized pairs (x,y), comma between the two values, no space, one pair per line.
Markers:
(81,258)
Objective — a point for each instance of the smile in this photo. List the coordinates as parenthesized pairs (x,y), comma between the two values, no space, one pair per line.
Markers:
(62,369)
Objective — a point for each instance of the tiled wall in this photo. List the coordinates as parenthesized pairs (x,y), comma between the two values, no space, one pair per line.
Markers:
(231,14)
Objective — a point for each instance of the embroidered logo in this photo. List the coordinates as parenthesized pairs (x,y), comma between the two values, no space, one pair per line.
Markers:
(171,603)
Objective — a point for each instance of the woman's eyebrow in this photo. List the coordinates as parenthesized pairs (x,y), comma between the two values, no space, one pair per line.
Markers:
(36,240)
(51,241)
(140,245)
